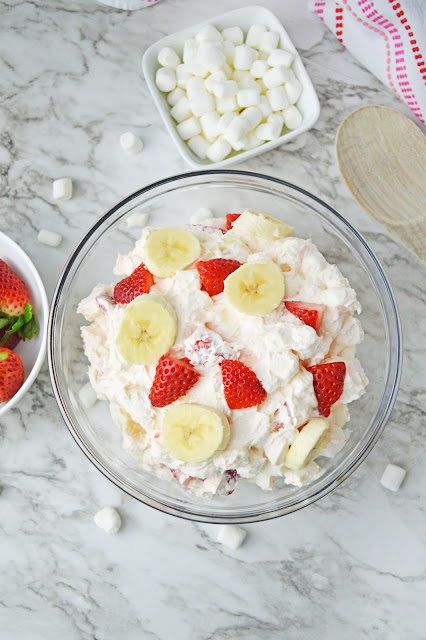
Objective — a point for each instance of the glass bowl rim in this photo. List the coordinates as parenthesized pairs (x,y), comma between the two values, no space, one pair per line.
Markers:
(393,374)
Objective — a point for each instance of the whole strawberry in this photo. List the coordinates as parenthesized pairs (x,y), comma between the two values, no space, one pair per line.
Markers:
(213,273)
(173,378)
(15,308)
(329,379)
(241,386)
(11,374)
(138,282)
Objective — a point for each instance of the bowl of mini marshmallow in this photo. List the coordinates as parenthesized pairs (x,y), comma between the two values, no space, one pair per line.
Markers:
(230,88)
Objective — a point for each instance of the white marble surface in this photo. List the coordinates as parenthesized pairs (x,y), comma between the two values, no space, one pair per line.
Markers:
(350,566)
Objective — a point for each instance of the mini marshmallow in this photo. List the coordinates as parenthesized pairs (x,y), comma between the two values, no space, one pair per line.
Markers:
(201,103)
(165,79)
(167,57)
(175,95)
(182,76)
(234,34)
(264,106)
(237,129)
(210,56)
(210,82)
(248,82)
(248,97)
(188,128)
(50,238)
(137,220)
(269,41)
(190,49)
(62,189)
(228,49)
(253,115)
(292,117)
(209,32)
(226,104)
(239,75)
(252,141)
(392,477)
(199,146)
(209,122)
(225,121)
(182,110)
(231,536)
(244,57)
(255,34)
(293,89)
(195,85)
(200,215)
(196,67)
(227,70)
(277,98)
(219,150)
(279,57)
(225,88)
(131,143)
(271,129)
(108,519)
(263,88)
(239,144)
(275,77)
(88,396)
(259,68)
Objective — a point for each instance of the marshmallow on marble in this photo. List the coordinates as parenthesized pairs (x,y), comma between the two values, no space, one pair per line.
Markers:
(269,41)
(244,57)
(137,220)
(234,34)
(276,76)
(209,32)
(62,189)
(108,519)
(201,214)
(259,68)
(392,477)
(279,57)
(168,58)
(209,122)
(248,97)
(50,238)
(292,117)
(165,79)
(199,146)
(231,536)
(88,396)
(201,103)
(175,95)
(182,110)
(255,34)
(293,89)
(277,98)
(271,129)
(130,143)
(226,104)
(219,150)
(188,128)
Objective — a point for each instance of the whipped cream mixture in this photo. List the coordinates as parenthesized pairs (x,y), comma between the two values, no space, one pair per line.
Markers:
(277,347)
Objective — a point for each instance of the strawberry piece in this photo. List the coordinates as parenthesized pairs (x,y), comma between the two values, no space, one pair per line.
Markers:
(138,282)
(213,273)
(15,308)
(181,477)
(230,478)
(11,374)
(310,314)
(329,379)
(12,341)
(241,386)
(230,219)
(173,378)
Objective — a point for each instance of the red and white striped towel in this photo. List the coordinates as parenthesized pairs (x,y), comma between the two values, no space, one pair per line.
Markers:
(388,37)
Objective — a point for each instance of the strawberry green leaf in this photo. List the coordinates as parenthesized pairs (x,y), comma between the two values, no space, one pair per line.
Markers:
(3,356)
(3,323)
(29,329)
(28,313)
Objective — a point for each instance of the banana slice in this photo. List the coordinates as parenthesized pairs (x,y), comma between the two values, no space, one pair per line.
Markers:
(303,448)
(148,329)
(254,223)
(169,250)
(255,288)
(194,433)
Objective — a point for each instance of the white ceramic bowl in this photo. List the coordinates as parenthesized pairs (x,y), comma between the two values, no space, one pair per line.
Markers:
(307,104)
(31,352)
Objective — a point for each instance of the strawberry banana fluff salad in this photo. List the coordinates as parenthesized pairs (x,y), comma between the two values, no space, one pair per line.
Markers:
(227,353)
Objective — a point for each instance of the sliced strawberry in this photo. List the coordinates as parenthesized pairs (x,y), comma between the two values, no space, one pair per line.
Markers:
(138,282)
(213,273)
(230,219)
(329,379)
(230,478)
(12,341)
(310,314)
(241,386)
(15,309)
(181,477)
(11,374)
(173,378)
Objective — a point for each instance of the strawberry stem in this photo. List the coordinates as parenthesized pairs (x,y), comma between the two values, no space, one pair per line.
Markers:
(25,325)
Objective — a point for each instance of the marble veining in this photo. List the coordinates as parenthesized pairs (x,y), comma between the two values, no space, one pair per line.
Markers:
(350,566)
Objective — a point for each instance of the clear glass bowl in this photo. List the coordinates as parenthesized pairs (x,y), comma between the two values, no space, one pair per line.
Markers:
(171,202)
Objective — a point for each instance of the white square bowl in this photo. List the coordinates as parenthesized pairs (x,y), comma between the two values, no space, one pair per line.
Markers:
(308,103)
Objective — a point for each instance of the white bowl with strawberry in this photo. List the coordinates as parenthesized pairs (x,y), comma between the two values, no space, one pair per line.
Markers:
(23,323)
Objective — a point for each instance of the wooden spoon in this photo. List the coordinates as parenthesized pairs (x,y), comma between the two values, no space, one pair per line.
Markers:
(382,157)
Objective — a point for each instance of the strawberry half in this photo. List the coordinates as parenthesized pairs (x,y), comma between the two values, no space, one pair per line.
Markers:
(138,282)
(310,314)
(329,379)
(241,386)
(15,309)
(213,273)
(173,378)
(11,374)
(230,219)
